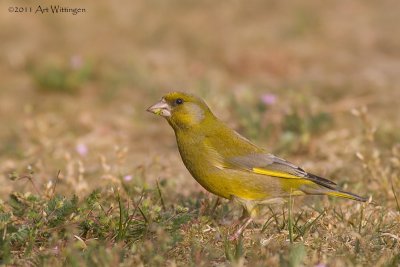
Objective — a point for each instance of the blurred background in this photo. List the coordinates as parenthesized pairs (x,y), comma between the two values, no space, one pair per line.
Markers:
(315,82)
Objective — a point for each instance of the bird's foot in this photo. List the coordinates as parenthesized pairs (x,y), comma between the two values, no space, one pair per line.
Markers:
(234,237)
(239,231)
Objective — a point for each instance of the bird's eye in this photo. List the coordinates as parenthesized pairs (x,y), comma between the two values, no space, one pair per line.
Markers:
(179,101)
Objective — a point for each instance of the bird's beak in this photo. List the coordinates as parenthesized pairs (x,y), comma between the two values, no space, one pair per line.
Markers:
(161,108)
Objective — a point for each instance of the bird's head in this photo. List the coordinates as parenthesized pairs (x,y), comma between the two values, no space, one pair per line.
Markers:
(182,110)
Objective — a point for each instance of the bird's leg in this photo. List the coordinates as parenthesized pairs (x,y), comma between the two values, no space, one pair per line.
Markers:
(250,211)
(245,215)
(236,235)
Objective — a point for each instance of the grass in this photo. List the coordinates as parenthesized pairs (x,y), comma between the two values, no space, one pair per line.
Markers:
(89,178)
(130,224)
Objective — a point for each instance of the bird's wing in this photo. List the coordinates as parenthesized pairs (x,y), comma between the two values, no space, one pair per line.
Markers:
(268,164)
(252,159)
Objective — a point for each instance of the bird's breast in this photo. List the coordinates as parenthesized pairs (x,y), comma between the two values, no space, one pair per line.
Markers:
(204,164)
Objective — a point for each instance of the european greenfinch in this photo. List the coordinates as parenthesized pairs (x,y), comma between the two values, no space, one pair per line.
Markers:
(230,166)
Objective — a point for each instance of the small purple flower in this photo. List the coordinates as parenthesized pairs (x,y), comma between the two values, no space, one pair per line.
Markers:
(269,99)
(127,178)
(320,265)
(76,62)
(81,149)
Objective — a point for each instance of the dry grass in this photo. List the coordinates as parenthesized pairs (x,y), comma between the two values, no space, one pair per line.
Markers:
(72,100)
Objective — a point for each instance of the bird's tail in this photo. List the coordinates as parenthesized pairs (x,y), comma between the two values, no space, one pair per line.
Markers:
(330,191)
(327,187)
(343,194)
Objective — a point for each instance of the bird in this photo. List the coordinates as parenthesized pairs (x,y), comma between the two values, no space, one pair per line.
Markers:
(230,166)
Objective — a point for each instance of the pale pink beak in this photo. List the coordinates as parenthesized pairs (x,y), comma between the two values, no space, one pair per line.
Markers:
(161,108)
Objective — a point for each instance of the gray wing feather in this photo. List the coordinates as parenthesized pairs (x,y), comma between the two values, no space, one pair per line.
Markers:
(271,162)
